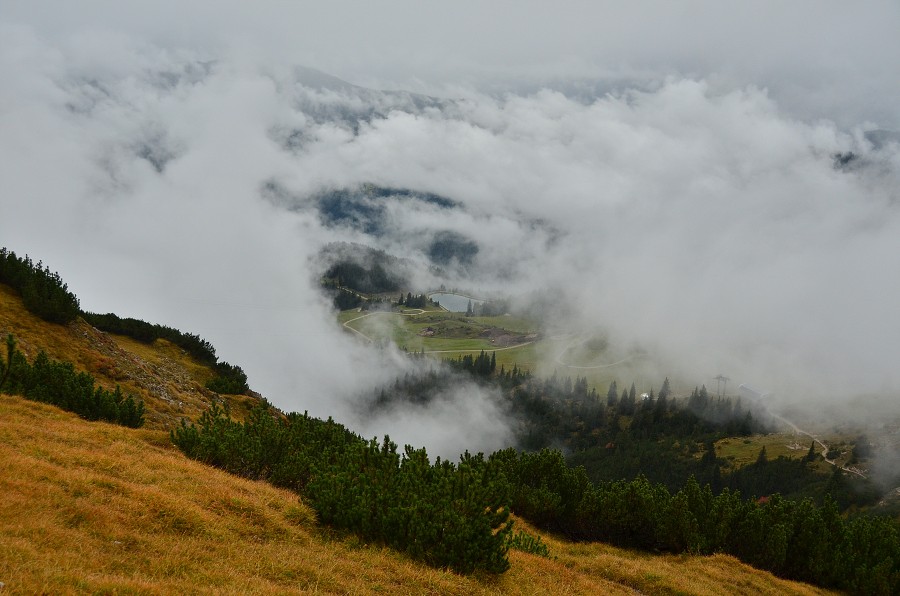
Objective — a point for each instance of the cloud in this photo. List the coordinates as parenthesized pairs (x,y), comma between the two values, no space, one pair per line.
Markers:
(700,216)
(831,59)
(457,418)
(708,223)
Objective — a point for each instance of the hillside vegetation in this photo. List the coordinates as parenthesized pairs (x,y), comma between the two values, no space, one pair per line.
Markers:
(145,519)
(92,507)
(171,383)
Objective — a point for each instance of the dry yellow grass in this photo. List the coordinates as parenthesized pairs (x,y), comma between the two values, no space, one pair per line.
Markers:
(92,507)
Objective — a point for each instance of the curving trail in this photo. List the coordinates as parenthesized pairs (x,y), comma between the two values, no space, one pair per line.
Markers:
(562,352)
(819,442)
(418,312)
(379,312)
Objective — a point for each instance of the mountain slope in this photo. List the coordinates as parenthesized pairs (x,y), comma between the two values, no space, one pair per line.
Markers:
(93,507)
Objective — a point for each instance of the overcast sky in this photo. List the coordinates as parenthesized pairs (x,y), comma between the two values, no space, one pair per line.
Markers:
(835,59)
(695,207)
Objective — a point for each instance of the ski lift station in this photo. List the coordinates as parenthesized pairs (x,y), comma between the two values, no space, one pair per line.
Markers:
(748,392)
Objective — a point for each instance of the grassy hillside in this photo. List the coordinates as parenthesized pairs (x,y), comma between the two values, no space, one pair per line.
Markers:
(169,381)
(93,507)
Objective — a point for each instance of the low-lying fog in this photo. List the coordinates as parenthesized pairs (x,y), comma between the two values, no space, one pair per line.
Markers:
(727,217)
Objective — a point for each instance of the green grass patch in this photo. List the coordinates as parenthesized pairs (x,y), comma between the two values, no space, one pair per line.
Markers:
(509,323)
(457,345)
(441,331)
(741,451)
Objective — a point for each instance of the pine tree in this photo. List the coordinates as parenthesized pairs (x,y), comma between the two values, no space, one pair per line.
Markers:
(664,392)
(709,453)
(659,409)
(811,454)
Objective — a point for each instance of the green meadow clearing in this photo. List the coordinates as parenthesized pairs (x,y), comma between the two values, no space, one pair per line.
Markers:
(517,341)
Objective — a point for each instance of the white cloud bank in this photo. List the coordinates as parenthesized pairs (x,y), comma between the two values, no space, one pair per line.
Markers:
(702,217)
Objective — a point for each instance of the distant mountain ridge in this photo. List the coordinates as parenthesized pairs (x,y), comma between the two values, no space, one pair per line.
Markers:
(326,98)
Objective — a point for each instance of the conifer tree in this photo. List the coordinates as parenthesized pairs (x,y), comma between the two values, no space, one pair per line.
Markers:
(811,454)
(664,391)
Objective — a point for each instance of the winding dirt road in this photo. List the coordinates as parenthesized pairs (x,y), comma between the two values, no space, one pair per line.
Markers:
(819,442)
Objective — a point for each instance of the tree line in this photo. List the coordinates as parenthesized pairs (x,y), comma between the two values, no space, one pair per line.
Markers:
(374,279)
(43,292)
(482,365)
(58,383)
(414,300)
